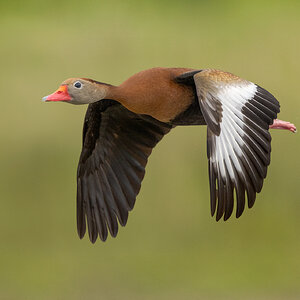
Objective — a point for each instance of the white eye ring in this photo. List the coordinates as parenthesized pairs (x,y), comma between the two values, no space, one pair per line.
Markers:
(78,84)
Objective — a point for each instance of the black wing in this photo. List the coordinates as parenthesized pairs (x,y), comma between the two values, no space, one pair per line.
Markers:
(116,147)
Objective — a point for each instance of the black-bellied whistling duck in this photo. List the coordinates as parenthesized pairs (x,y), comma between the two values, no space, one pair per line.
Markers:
(124,123)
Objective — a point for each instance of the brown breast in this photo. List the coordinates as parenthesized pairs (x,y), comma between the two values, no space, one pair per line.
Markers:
(153,92)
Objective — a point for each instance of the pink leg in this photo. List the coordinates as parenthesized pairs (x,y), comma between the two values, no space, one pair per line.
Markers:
(279,124)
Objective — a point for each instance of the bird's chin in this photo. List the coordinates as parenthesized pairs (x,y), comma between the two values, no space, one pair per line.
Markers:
(74,102)
(44,99)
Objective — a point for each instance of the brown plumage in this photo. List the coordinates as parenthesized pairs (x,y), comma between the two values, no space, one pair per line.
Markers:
(124,123)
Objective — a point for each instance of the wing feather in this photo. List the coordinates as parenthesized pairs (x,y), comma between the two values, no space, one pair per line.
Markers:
(116,147)
(238,114)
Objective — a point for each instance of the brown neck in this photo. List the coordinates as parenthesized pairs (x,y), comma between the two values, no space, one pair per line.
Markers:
(118,93)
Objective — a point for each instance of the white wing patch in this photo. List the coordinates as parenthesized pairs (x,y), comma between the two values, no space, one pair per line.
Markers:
(231,133)
(238,147)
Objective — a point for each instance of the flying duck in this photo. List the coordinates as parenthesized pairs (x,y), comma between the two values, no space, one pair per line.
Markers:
(124,123)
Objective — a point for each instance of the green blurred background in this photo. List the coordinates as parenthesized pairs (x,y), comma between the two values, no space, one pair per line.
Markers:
(171,248)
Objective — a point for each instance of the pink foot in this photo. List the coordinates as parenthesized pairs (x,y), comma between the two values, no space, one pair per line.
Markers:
(279,124)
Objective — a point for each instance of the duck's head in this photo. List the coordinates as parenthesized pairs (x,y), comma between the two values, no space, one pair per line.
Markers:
(79,91)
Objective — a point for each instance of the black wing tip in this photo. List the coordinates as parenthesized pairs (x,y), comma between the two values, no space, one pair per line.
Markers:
(251,202)
(219,217)
(114,233)
(212,211)
(228,214)
(224,215)
(81,234)
(269,97)
(93,237)
(123,222)
(93,241)
(238,214)
(240,207)
(103,239)
(81,229)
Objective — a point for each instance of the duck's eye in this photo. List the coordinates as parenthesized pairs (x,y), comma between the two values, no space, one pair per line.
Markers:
(78,84)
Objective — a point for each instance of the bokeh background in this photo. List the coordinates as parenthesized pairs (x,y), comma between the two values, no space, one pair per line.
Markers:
(171,248)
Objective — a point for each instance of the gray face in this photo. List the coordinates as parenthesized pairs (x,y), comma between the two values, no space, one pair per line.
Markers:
(84,92)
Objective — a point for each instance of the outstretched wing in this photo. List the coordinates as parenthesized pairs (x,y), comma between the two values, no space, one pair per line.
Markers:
(116,146)
(238,114)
